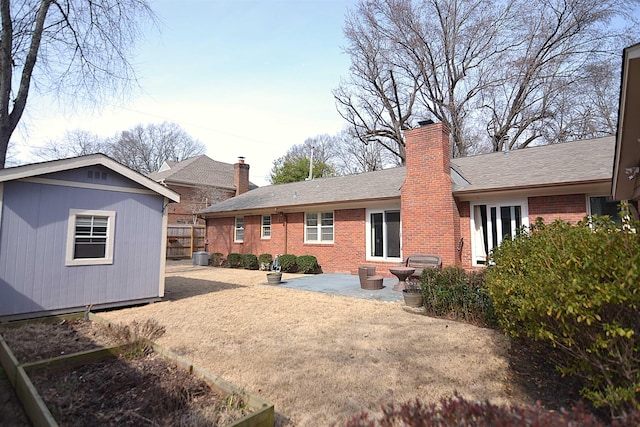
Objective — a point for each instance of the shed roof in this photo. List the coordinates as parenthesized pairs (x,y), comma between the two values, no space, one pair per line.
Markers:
(53,166)
(198,170)
(577,162)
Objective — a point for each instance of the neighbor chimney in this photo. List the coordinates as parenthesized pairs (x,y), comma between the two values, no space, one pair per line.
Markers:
(241,176)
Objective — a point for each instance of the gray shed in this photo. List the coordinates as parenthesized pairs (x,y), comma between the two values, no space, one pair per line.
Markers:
(80,232)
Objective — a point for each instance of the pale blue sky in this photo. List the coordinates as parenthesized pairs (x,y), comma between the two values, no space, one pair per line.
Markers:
(247,78)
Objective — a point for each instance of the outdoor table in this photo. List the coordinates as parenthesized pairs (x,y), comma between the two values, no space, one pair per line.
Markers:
(401,273)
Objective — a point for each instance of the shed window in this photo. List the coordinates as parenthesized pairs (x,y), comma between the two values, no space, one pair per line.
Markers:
(90,237)
(238,235)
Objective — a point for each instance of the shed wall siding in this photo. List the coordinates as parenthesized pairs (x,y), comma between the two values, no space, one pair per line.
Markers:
(33,275)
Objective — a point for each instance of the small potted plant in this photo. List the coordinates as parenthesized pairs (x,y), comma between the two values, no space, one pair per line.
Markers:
(274,277)
(412,293)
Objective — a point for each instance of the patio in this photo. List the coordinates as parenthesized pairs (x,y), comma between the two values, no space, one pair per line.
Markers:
(347,285)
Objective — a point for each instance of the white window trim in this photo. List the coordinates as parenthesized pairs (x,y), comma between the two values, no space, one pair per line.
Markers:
(71,231)
(262,227)
(319,228)
(368,213)
(235,230)
(524,211)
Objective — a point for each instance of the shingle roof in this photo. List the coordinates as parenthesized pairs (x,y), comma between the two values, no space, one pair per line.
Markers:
(570,162)
(53,166)
(199,170)
(558,164)
(382,184)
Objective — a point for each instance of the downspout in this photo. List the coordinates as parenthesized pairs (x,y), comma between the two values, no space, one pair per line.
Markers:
(286,226)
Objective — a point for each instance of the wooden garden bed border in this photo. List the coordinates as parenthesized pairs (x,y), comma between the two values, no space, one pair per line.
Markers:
(262,414)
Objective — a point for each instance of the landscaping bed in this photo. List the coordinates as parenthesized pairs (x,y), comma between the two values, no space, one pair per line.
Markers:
(95,373)
(134,389)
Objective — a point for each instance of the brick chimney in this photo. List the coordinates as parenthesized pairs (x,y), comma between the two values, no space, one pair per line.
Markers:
(241,176)
(430,216)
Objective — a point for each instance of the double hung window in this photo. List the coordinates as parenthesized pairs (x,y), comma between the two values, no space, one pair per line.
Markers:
(238,233)
(318,227)
(266,226)
(90,237)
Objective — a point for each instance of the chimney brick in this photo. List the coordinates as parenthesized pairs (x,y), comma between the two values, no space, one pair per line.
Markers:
(430,215)
(241,176)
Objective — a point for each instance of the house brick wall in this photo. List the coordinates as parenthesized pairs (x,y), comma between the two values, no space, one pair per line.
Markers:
(430,217)
(572,208)
(345,255)
(192,200)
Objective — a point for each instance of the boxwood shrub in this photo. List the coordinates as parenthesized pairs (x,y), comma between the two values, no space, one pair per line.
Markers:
(288,263)
(307,264)
(578,288)
(265,261)
(250,261)
(235,260)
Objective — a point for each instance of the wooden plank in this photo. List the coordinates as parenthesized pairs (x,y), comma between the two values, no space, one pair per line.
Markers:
(262,412)
(34,406)
(8,361)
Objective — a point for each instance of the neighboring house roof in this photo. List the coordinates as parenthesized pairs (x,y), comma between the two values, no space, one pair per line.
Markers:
(570,163)
(43,168)
(195,171)
(377,185)
(541,166)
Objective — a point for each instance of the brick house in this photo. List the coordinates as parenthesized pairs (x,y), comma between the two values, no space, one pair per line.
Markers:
(456,208)
(626,169)
(201,182)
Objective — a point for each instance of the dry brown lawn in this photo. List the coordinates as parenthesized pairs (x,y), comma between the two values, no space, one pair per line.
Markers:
(320,358)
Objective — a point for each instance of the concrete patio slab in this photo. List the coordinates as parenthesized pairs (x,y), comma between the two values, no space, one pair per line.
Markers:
(343,285)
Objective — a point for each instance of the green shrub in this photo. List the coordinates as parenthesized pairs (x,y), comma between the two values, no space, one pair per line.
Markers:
(288,263)
(453,293)
(577,287)
(250,261)
(307,264)
(235,260)
(265,261)
(217,259)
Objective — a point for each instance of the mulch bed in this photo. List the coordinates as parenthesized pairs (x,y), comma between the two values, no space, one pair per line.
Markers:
(141,390)
(139,387)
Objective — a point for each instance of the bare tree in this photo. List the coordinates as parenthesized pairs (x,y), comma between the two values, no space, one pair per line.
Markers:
(77,47)
(145,148)
(541,80)
(77,142)
(378,99)
(515,69)
(355,156)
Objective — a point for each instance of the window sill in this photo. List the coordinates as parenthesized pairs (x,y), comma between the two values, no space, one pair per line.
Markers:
(88,261)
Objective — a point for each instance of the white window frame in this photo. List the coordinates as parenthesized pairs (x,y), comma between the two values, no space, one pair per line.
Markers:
(319,228)
(265,232)
(237,228)
(369,237)
(476,253)
(71,237)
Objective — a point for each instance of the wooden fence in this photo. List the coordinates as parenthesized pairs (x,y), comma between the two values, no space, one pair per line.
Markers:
(184,239)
